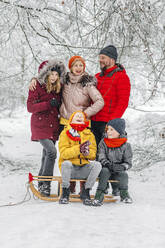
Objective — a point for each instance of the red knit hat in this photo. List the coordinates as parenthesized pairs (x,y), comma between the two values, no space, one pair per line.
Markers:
(72,59)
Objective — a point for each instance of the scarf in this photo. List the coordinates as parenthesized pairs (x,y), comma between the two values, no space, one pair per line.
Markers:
(73,132)
(115,142)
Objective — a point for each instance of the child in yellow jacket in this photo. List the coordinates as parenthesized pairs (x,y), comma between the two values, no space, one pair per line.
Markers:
(77,147)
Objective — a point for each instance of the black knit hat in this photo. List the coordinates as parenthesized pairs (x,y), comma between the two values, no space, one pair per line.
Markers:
(118,124)
(57,69)
(110,51)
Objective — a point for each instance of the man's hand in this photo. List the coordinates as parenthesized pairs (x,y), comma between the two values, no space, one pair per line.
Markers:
(33,84)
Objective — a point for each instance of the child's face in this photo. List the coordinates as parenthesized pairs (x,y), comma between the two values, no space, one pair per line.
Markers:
(78,118)
(77,68)
(53,77)
(112,133)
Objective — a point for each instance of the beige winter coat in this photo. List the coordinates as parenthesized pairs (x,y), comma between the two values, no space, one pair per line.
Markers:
(80,93)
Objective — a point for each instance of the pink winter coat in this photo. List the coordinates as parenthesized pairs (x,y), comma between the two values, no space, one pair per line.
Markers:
(80,93)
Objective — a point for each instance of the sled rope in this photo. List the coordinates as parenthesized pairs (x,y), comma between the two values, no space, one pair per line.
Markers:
(25,199)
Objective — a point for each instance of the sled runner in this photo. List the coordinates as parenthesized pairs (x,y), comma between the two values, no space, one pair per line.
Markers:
(56,197)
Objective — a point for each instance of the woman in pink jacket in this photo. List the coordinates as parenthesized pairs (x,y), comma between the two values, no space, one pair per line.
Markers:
(44,103)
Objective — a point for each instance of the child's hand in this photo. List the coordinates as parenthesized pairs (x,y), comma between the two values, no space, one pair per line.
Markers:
(106,163)
(118,168)
(54,103)
(84,148)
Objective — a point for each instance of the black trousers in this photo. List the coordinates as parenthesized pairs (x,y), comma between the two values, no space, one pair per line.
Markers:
(98,129)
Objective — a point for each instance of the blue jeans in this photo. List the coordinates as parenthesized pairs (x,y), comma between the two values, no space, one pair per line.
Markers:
(49,155)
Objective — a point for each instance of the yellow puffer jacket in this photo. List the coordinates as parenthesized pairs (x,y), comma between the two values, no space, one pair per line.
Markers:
(70,149)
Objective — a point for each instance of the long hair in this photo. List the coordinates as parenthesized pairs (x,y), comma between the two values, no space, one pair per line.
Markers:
(53,87)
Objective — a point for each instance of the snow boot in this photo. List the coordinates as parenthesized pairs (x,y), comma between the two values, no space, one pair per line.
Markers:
(65,196)
(85,196)
(106,190)
(125,197)
(44,189)
(99,197)
(116,192)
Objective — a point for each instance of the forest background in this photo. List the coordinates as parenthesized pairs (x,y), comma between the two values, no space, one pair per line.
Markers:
(33,31)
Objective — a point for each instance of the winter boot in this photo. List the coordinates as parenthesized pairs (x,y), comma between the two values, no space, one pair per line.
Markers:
(39,185)
(65,196)
(125,197)
(44,189)
(116,192)
(99,197)
(106,190)
(85,196)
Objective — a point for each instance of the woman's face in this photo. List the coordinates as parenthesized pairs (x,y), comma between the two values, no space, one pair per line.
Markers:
(77,68)
(112,133)
(78,118)
(53,77)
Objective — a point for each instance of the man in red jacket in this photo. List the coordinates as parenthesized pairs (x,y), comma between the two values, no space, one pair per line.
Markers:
(114,86)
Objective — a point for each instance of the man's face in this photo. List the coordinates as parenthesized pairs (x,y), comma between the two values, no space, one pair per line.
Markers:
(106,61)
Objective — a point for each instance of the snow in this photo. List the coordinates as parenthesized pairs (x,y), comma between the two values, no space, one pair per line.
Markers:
(39,224)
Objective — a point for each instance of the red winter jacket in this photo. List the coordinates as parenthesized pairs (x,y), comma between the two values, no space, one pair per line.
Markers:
(115,90)
(44,119)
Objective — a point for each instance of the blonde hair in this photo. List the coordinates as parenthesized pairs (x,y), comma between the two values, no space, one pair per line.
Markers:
(53,87)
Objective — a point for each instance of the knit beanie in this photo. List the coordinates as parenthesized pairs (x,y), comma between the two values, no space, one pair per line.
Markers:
(110,51)
(118,124)
(74,59)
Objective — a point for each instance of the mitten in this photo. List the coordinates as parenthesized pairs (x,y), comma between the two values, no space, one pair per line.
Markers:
(118,168)
(106,163)
(54,103)
(84,148)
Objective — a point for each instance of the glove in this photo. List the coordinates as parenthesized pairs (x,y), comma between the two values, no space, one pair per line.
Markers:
(54,103)
(84,148)
(118,168)
(106,163)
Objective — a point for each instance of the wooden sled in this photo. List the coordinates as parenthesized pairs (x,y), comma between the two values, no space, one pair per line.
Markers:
(56,197)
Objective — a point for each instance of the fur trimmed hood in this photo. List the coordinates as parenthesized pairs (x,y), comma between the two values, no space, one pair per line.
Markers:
(43,72)
(85,79)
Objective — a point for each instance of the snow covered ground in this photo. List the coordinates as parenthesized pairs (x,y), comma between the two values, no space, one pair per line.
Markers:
(39,224)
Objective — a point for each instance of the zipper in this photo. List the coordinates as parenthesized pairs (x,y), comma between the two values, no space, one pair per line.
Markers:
(79,155)
(110,105)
